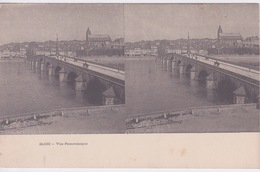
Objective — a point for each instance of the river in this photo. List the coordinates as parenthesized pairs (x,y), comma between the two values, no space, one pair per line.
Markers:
(151,88)
(23,91)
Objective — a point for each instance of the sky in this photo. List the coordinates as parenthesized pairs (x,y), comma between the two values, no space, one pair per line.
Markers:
(41,22)
(174,21)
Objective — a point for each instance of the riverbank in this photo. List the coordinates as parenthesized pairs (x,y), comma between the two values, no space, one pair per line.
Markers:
(89,120)
(111,120)
(225,118)
(11,60)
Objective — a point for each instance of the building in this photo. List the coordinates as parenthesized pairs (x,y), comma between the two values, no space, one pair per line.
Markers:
(6,53)
(153,51)
(39,51)
(133,52)
(117,44)
(72,54)
(23,52)
(97,41)
(203,52)
(231,39)
(251,42)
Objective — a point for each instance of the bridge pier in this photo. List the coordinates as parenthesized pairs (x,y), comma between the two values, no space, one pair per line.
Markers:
(173,64)
(50,70)
(42,67)
(164,62)
(31,63)
(36,65)
(169,64)
(258,103)
(181,67)
(211,82)
(79,85)
(193,73)
(62,74)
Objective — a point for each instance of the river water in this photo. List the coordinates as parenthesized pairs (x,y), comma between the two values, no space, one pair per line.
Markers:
(24,91)
(151,88)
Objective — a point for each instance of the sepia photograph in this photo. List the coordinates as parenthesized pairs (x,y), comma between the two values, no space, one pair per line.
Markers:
(129,85)
(192,68)
(62,69)
(64,72)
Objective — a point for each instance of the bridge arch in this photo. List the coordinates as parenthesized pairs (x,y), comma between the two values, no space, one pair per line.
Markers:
(178,62)
(225,90)
(57,70)
(40,60)
(71,79)
(47,64)
(71,76)
(202,77)
(188,68)
(94,91)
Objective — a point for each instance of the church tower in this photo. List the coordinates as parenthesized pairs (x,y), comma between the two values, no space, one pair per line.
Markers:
(219,31)
(87,34)
(188,44)
(57,45)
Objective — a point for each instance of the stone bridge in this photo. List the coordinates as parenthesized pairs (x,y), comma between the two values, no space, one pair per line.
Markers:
(239,84)
(102,84)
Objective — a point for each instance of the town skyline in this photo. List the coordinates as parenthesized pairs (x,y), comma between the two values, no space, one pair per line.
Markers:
(124,18)
(83,40)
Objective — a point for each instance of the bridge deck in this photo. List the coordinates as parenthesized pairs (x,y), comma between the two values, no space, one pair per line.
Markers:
(243,71)
(114,73)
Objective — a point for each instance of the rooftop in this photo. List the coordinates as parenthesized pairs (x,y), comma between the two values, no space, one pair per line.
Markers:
(110,92)
(99,37)
(240,91)
(230,35)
